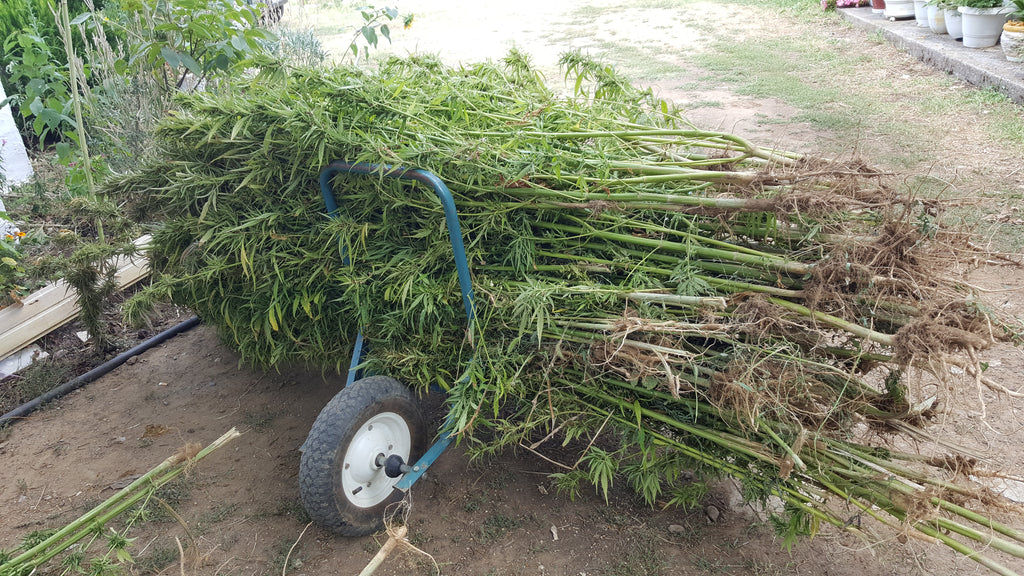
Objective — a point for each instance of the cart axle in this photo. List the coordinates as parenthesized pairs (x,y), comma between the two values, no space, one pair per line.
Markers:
(394,465)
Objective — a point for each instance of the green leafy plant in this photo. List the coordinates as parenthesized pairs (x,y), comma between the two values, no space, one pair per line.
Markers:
(194,41)
(44,99)
(1017,16)
(980,3)
(91,273)
(375,25)
(77,179)
(18,16)
(35,62)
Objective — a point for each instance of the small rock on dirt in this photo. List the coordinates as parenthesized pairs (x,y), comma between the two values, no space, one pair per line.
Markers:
(712,513)
(131,361)
(676,529)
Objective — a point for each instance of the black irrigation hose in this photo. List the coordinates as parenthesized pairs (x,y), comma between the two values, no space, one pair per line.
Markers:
(78,382)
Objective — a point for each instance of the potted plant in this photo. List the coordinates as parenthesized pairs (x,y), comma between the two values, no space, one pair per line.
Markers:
(936,10)
(1012,38)
(899,9)
(921,13)
(983,21)
(954,19)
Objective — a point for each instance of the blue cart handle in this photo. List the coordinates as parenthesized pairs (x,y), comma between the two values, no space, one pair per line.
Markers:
(443,194)
(461,266)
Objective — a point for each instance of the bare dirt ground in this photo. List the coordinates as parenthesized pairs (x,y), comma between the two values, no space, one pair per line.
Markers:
(498,517)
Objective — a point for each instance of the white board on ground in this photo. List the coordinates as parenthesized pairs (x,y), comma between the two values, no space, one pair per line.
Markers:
(21,359)
(56,304)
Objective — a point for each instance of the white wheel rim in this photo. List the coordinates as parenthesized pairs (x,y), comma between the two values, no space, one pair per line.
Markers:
(363,480)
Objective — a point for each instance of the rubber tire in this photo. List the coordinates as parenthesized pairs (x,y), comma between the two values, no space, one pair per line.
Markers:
(320,485)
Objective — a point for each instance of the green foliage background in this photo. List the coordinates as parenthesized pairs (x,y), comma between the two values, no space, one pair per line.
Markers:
(19,15)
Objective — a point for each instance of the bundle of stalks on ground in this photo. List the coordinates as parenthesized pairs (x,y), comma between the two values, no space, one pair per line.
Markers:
(90,544)
(669,299)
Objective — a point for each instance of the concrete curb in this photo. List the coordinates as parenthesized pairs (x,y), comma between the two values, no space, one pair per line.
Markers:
(986,67)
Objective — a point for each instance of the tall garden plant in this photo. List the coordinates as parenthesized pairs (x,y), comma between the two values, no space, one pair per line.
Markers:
(70,85)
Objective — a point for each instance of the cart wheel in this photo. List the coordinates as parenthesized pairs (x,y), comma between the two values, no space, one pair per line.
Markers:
(341,475)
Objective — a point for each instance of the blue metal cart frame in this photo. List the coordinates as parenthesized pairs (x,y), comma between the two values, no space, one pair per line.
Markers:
(416,470)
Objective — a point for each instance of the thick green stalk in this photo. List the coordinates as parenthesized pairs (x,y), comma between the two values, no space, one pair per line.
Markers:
(737,286)
(965,550)
(737,270)
(735,178)
(580,196)
(589,338)
(985,538)
(719,283)
(724,439)
(76,99)
(84,525)
(765,261)
(978,518)
(786,447)
(652,227)
(691,137)
(915,475)
(649,169)
(926,528)
(733,142)
(628,266)
(675,299)
(834,322)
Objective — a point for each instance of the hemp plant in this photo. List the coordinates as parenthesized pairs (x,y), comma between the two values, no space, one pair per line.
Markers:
(660,297)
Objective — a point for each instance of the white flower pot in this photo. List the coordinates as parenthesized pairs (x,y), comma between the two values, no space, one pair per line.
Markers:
(899,9)
(954,24)
(921,13)
(937,19)
(982,26)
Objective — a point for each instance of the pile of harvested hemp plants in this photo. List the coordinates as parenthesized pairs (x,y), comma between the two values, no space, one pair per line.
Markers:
(667,299)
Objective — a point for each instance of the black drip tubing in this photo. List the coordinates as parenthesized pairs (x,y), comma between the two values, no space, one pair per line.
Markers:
(79,381)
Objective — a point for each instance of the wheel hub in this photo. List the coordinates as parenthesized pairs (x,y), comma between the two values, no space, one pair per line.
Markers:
(363,476)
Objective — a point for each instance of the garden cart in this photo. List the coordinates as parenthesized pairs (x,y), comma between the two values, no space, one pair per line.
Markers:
(367,446)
